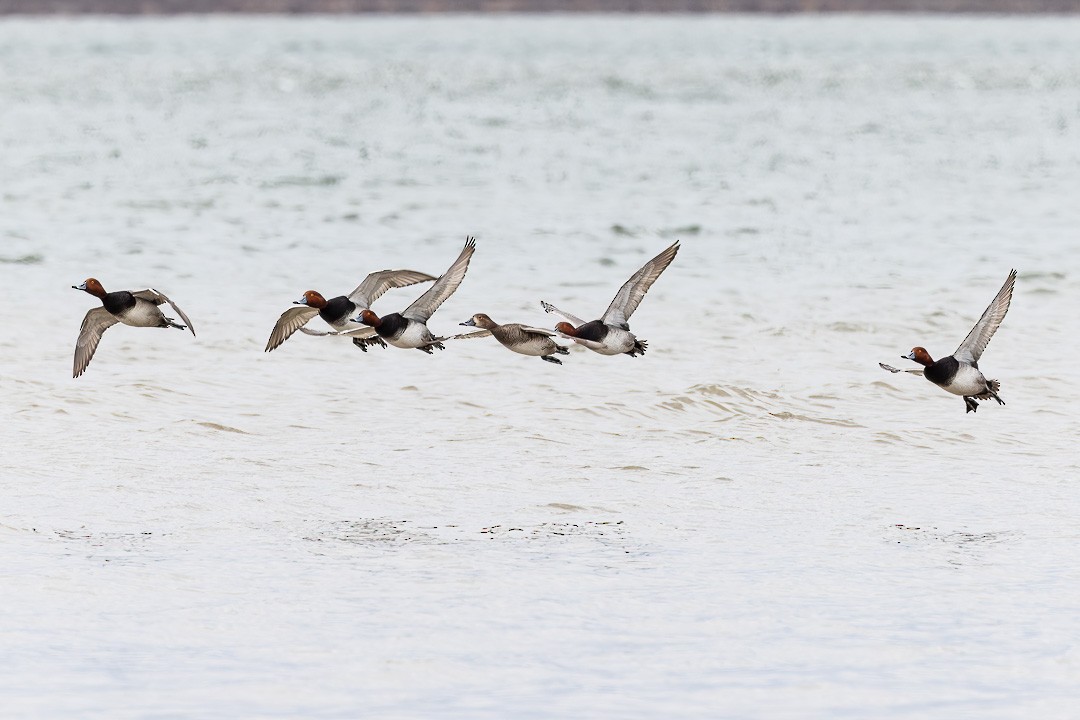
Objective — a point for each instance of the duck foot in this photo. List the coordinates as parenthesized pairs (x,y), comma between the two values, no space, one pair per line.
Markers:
(170,322)
(432,346)
(971,405)
(551,359)
(364,343)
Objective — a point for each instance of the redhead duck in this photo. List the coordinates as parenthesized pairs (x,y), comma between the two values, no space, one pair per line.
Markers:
(408,329)
(519,338)
(610,335)
(959,373)
(337,312)
(138,309)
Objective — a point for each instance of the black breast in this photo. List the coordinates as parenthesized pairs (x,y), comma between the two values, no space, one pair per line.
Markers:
(337,310)
(119,301)
(594,330)
(392,325)
(943,371)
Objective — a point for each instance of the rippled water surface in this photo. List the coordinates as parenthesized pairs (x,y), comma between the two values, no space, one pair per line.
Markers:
(752,520)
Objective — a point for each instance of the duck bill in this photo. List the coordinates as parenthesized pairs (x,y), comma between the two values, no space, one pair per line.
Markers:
(909,356)
(79,287)
(301,301)
(469,323)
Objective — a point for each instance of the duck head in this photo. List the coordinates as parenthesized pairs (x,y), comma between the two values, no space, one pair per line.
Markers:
(566,329)
(481,320)
(919,355)
(367,317)
(92,286)
(312,299)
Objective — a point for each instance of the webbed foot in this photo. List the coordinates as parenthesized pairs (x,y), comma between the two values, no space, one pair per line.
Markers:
(551,359)
(970,404)
(171,322)
(365,343)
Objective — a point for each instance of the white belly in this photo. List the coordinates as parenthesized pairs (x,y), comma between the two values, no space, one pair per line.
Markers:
(415,335)
(616,342)
(535,347)
(144,314)
(968,381)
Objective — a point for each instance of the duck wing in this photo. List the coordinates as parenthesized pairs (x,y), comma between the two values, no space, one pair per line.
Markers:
(96,322)
(357,333)
(158,298)
(290,321)
(890,368)
(972,348)
(535,330)
(633,290)
(572,319)
(377,283)
(426,305)
(471,335)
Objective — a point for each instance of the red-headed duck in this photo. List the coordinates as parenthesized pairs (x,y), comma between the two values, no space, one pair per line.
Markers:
(408,329)
(337,312)
(610,335)
(959,373)
(522,339)
(138,309)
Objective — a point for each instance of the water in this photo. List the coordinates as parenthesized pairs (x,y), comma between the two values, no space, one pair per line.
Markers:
(752,520)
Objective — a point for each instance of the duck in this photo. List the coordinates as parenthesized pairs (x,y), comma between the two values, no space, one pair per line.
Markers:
(138,309)
(959,373)
(520,338)
(338,311)
(408,329)
(610,335)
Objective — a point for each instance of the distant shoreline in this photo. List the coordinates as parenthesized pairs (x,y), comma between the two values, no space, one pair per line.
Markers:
(177,7)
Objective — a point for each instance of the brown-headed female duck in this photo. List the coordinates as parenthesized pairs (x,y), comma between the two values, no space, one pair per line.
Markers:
(519,338)
(959,373)
(610,335)
(138,309)
(338,312)
(408,329)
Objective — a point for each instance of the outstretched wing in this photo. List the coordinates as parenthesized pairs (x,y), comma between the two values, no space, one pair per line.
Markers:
(972,348)
(377,283)
(572,319)
(290,321)
(537,331)
(471,335)
(96,322)
(359,333)
(426,305)
(633,290)
(890,368)
(159,297)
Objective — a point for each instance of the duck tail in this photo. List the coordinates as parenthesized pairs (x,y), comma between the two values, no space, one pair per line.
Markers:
(994,386)
(639,348)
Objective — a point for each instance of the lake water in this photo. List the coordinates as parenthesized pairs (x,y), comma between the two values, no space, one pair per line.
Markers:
(752,520)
